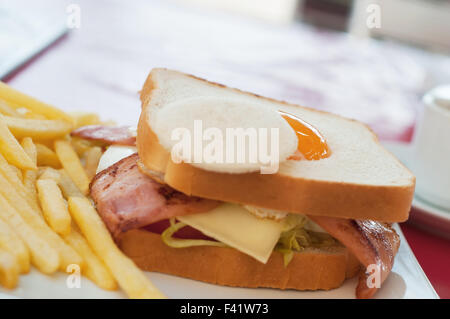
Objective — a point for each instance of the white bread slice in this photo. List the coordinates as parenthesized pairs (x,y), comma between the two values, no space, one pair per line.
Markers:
(311,269)
(360,180)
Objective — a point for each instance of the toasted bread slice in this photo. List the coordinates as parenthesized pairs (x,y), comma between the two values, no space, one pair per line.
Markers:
(311,269)
(360,180)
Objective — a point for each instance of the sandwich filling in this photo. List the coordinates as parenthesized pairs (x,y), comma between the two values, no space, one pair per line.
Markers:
(127,199)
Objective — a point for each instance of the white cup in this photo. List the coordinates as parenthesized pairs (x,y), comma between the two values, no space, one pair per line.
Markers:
(431,148)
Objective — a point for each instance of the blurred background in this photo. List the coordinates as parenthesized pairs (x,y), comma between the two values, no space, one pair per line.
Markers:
(367,60)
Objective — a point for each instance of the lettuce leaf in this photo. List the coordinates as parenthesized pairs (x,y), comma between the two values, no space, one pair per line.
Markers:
(298,238)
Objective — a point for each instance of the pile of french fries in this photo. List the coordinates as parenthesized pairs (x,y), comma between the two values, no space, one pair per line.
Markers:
(47,219)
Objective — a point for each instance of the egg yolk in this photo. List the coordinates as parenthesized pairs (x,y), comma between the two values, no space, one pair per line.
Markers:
(311,144)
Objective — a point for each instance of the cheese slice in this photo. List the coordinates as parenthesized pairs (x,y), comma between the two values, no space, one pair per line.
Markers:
(234,226)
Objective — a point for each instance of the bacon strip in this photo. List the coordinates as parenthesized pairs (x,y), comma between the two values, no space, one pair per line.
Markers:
(373,243)
(107,134)
(128,199)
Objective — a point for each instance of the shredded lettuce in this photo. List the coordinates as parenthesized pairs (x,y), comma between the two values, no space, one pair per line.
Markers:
(170,241)
(297,239)
(294,221)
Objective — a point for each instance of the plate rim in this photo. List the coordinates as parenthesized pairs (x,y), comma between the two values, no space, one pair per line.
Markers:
(424,206)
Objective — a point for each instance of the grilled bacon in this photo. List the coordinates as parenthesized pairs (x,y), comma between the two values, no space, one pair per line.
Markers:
(128,199)
(373,243)
(121,135)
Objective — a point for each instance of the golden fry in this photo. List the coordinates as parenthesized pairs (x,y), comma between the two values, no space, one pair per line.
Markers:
(128,275)
(53,206)
(66,253)
(94,269)
(63,180)
(54,242)
(46,157)
(92,157)
(72,165)
(37,129)
(11,242)
(68,187)
(43,256)
(5,109)
(18,99)
(29,148)
(9,270)
(49,173)
(84,118)
(16,170)
(34,116)
(81,146)
(30,176)
(12,150)
(11,174)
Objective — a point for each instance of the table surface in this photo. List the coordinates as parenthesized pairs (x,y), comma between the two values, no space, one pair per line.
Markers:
(102,65)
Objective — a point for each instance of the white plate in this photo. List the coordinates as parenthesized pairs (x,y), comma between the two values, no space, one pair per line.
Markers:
(407,280)
(424,214)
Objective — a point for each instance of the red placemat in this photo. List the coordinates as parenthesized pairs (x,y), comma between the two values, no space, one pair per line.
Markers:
(433,254)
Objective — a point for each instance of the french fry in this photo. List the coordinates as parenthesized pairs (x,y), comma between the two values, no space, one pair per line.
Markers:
(49,173)
(5,109)
(34,116)
(11,242)
(72,165)
(92,157)
(11,174)
(53,206)
(17,171)
(63,180)
(84,118)
(130,278)
(29,148)
(36,128)
(43,256)
(68,187)
(12,150)
(94,268)
(47,238)
(23,112)
(80,145)
(18,99)
(9,270)
(48,143)
(30,176)
(46,157)
(66,253)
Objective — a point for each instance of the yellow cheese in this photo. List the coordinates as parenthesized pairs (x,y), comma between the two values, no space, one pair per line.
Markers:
(233,225)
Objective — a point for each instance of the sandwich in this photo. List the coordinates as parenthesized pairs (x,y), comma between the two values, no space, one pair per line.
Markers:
(317,211)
